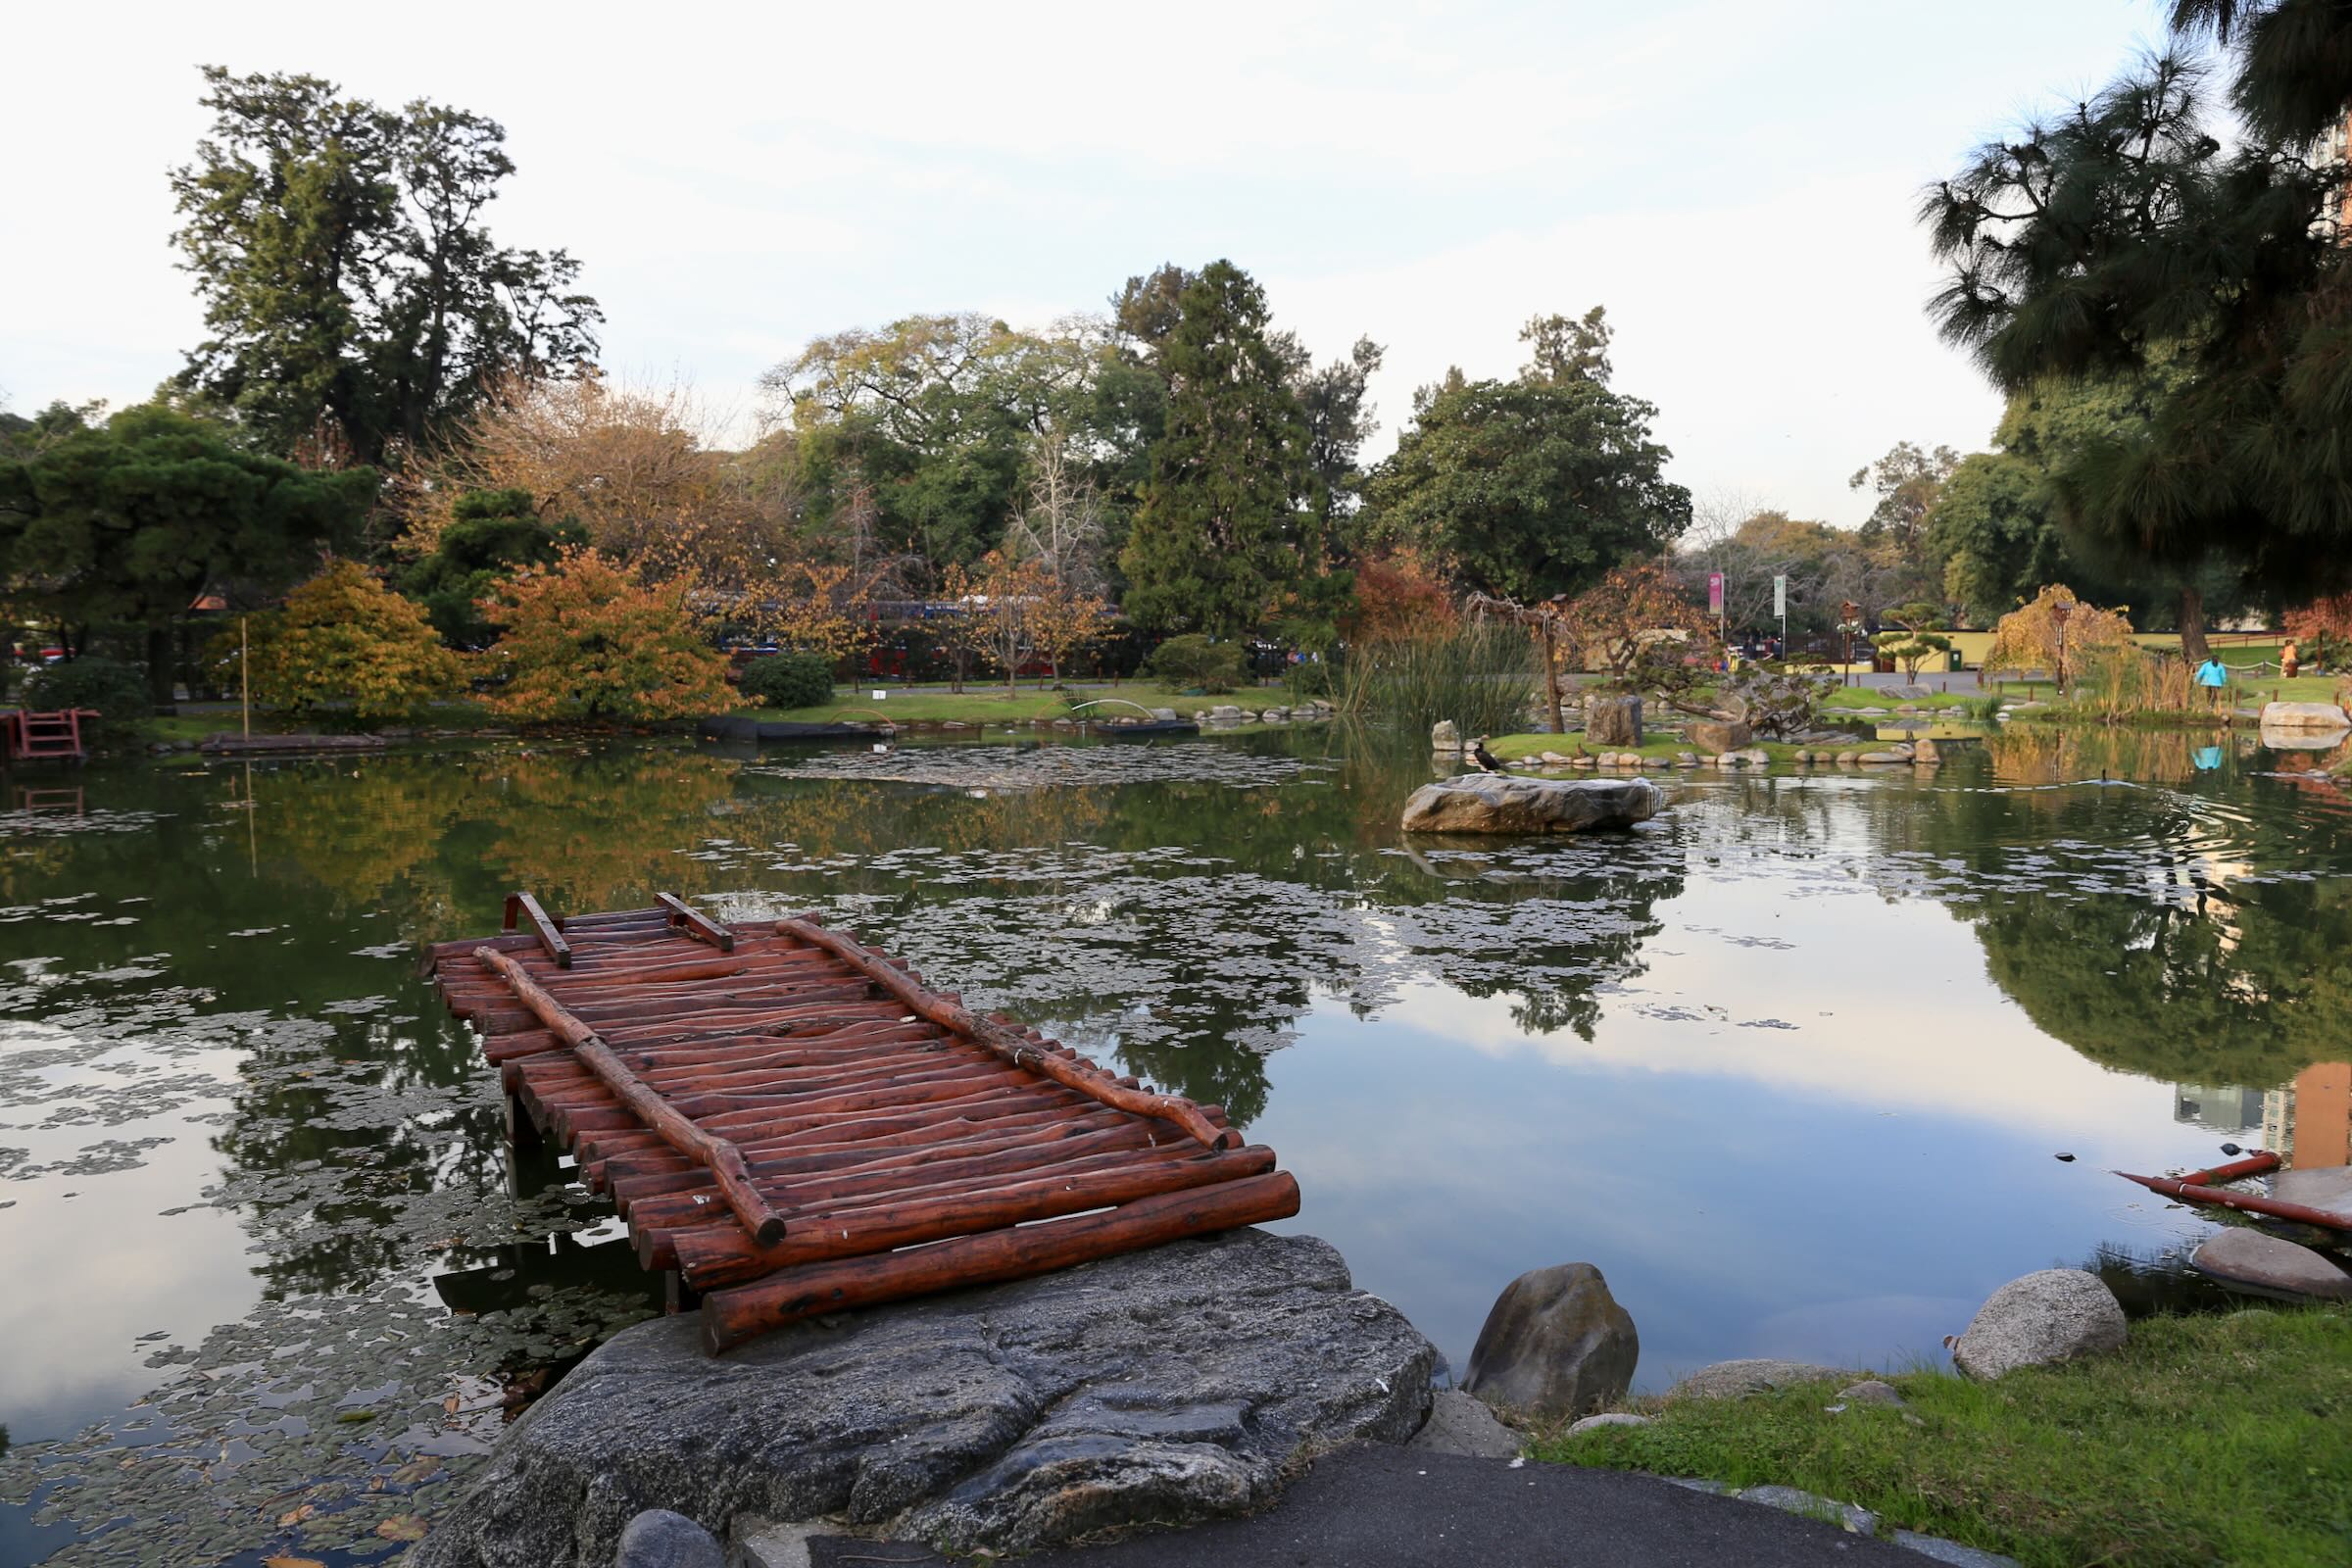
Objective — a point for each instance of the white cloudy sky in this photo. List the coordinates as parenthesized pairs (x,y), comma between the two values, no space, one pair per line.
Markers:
(1734,178)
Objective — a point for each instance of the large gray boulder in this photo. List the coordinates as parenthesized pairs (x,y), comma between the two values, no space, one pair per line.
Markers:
(1167,1385)
(1718,735)
(1555,1343)
(2054,1315)
(1495,802)
(2303,715)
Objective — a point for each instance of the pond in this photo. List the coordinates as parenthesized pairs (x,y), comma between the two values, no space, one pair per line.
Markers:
(1791,1064)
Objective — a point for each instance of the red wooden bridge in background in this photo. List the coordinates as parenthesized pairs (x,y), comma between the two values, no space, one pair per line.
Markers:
(46,736)
(791,1123)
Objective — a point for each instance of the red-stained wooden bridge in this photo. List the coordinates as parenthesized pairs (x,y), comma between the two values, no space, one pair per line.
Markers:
(791,1123)
(34,737)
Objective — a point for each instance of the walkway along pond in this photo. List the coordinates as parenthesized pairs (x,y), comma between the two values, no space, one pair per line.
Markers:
(290,1286)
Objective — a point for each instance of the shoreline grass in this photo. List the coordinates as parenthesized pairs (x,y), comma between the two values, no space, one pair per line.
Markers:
(2208,1438)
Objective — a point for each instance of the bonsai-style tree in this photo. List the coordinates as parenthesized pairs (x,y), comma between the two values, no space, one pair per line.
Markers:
(1912,646)
(1635,622)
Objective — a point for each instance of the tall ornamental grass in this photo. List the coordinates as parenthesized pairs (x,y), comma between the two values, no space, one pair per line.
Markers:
(1483,677)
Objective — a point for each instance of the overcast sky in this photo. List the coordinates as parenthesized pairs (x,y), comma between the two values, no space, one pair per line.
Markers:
(1735,179)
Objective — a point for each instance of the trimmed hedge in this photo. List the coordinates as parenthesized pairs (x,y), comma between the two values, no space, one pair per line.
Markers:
(789,680)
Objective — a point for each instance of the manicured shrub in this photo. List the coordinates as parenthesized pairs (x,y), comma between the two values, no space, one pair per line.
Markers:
(585,639)
(346,642)
(116,690)
(1193,661)
(793,679)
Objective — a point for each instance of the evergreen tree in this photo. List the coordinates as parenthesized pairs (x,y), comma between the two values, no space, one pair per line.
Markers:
(1222,543)
(2094,244)
(490,534)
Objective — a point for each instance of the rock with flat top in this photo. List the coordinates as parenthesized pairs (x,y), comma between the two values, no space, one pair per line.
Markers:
(1490,802)
(1732,1380)
(1608,1418)
(1718,734)
(2054,1315)
(2271,1265)
(1169,1386)
(1443,738)
(2304,716)
(1613,720)
(2328,1186)
(1555,1343)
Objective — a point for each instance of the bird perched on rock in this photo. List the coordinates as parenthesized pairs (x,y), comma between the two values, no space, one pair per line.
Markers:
(1482,759)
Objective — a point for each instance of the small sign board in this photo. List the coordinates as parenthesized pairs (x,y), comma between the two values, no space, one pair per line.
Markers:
(878,696)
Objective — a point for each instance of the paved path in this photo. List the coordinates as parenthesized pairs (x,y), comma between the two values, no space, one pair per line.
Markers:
(1402,1508)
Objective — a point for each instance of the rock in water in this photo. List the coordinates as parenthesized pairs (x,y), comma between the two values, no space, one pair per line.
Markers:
(2303,715)
(2271,1265)
(1613,721)
(660,1539)
(1443,738)
(1719,734)
(1491,803)
(1167,1385)
(2328,1186)
(1555,1343)
(2054,1314)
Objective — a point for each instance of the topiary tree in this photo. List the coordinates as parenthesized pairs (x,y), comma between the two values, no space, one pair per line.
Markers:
(585,639)
(1193,661)
(1913,645)
(345,641)
(793,679)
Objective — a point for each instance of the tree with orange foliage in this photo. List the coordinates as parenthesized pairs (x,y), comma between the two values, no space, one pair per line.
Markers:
(1634,617)
(585,639)
(1401,597)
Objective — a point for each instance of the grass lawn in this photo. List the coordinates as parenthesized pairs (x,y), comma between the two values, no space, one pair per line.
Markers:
(2211,1439)
(198,723)
(981,702)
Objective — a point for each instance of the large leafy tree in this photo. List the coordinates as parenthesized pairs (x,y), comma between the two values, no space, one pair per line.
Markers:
(586,639)
(2096,243)
(125,524)
(490,534)
(353,297)
(1224,541)
(1532,487)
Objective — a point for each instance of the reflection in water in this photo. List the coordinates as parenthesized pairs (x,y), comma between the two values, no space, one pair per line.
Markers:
(268,1183)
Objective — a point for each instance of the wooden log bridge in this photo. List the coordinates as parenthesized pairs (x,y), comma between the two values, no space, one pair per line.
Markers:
(793,1123)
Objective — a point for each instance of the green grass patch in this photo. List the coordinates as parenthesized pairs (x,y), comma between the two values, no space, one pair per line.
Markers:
(2208,1439)
(1853,696)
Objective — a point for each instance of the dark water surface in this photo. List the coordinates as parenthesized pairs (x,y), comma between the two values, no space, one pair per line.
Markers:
(1791,1063)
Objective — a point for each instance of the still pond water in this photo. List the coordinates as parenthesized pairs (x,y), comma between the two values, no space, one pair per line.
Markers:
(1791,1063)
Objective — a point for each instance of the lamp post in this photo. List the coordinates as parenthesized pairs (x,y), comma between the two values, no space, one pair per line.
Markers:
(2058,614)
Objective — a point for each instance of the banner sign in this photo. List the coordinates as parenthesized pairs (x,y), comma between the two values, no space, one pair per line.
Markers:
(1779,596)
(1714,593)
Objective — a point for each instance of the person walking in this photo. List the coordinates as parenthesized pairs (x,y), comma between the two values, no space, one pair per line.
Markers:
(2213,675)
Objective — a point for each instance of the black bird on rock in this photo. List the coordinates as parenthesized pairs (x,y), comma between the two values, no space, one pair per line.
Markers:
(1483,759)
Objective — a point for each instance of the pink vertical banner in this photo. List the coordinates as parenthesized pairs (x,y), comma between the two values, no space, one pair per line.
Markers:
(1714,593)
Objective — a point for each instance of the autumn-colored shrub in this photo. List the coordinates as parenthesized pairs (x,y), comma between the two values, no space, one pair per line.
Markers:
(345,641)
(584,639)
(2056,633)
(1400,595)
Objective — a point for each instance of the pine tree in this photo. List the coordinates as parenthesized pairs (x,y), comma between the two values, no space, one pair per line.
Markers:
(1222,543)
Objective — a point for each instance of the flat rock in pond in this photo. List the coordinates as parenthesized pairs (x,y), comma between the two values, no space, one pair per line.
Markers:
(2255,1260)
(2328,1186)
(1731,1380)
(1490,803)
(2303,715)
(1168,1386)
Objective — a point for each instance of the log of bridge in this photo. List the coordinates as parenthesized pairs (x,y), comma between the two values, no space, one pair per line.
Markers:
(2252,1202)
(701,925)
(732,1316)
(1012,1046)
(723,1157)
(544,929)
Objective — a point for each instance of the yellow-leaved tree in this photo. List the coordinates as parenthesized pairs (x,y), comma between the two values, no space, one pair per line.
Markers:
(345,641)
(2057,635)
(586,639)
